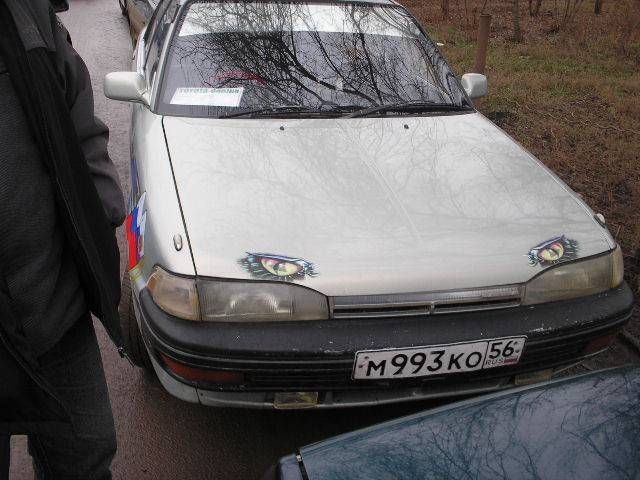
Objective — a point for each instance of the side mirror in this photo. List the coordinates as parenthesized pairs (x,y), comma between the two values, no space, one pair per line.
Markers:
(475,84)
(126,87)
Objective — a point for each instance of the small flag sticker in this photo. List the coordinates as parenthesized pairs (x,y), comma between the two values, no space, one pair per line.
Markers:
(135,224)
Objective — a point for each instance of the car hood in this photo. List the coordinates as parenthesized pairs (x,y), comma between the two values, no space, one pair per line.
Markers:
(582,427)
(375,205)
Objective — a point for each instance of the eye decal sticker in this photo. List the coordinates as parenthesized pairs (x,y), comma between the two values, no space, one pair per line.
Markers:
(555,250)
(266,266)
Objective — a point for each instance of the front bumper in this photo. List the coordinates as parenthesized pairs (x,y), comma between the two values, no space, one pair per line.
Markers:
(319,356)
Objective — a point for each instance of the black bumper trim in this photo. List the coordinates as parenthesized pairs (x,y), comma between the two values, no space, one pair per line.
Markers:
(557,336)
(333,340)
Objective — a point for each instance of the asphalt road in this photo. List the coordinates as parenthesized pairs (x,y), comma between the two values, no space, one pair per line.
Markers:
(159,436)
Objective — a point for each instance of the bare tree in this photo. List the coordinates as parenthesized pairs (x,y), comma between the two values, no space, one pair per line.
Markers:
(534,7)
(517,30)
(444,4)
(597,8)
(571,8)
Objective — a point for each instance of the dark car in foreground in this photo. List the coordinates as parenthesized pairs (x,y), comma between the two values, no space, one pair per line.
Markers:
(584,427)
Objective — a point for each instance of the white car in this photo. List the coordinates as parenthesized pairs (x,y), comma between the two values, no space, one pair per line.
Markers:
(321,218)
(137,13)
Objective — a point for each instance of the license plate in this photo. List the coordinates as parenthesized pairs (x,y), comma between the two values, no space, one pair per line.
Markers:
(437,359)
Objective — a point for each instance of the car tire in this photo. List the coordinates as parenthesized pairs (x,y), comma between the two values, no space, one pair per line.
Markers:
(133,342)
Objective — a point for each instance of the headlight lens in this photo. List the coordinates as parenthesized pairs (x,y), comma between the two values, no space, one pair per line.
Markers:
(224,301)
(235,301)
(576,279)
(175,295)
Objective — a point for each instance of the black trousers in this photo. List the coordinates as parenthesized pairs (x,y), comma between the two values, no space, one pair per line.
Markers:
(74,369)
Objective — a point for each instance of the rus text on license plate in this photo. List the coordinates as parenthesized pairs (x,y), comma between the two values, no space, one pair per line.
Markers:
(437,359)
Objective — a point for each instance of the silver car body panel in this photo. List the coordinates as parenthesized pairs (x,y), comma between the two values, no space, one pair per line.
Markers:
(379,205)
(153,176)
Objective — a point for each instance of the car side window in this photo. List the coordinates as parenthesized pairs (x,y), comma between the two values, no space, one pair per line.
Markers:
(164,16)
(151,27)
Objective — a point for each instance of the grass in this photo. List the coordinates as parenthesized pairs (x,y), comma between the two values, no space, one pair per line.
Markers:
(569,92)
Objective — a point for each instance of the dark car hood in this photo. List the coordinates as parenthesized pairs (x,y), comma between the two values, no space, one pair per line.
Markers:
(587,427)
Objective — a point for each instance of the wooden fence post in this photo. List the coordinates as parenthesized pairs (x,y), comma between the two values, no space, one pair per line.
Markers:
(597,8)
(483,42)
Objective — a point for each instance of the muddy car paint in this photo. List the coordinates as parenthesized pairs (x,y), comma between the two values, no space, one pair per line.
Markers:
(380,205)
(449,203)
(375,205)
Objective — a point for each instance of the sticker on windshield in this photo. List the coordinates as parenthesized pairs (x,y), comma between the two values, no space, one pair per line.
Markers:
(210,97)
(555,250)
(266,266)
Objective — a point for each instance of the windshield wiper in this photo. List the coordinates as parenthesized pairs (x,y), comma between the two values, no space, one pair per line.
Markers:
(412,107)
(270,110)
(333,110)
(349,111)
(342,109)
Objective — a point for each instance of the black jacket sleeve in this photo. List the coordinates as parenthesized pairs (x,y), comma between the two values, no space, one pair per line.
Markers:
(93,134)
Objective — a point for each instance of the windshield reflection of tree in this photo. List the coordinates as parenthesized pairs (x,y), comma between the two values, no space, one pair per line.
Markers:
(587,431)
(279,66)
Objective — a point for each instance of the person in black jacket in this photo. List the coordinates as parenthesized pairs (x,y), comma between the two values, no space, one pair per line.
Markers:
(60,202)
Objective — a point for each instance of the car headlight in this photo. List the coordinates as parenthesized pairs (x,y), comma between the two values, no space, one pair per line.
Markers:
(234,300)
(175,295)
(576,279)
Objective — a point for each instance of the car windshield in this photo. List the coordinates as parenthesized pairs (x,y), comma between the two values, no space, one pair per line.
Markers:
(229,59)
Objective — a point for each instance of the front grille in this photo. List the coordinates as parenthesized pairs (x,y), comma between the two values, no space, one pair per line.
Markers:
(420,304)
(335,375)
